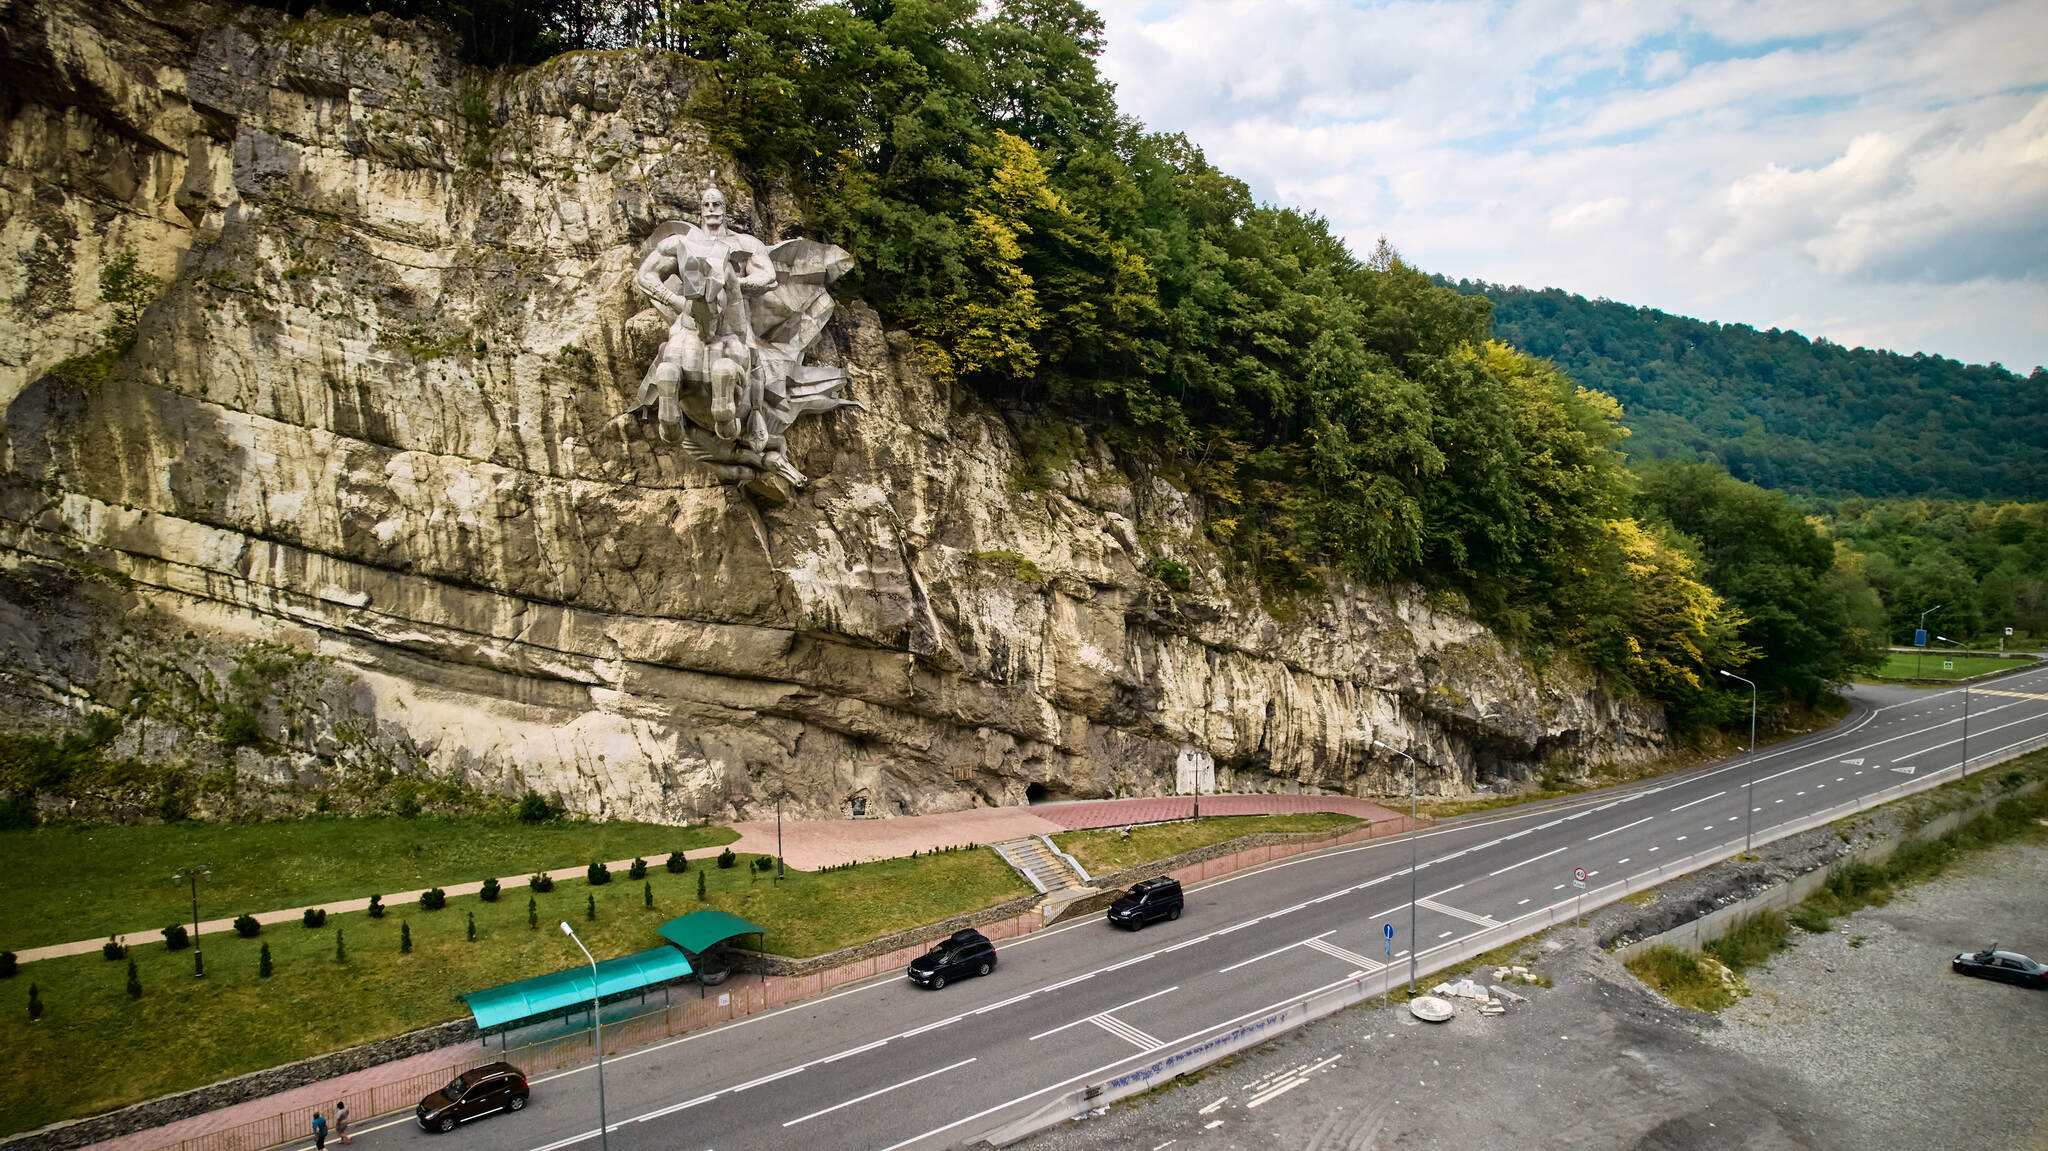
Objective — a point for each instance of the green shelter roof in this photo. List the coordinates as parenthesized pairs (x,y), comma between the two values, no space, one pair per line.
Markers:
(697,931)
(547,993)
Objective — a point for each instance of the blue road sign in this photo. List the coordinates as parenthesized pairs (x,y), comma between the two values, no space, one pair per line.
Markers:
(1920,637)
(1387,929)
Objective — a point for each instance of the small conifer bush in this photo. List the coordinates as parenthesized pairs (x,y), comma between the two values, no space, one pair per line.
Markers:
(263,962)
(340,946)
(376,907)
(472,927)
(176,938)
(134,982)
(404,938)
(677,864)
(247,927)
(647,893)
(35,1003)
(489,894)
(433,899)
(113,950)
(598,874)
(315,917)
(639,869)
(700,887)
(726,858)
(532,914)
(8,965)
(542,883)
(590,907)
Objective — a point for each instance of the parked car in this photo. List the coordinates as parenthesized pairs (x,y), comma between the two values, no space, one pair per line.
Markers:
(476,1092)
(2004,966)
(965,952)
(1144,902)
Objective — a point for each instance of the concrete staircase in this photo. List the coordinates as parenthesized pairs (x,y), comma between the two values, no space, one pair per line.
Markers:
(1045,867)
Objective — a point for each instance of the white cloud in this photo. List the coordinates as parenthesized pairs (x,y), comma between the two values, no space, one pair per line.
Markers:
(1875,172)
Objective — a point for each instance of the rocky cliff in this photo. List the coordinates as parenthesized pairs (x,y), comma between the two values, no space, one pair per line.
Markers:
(367,478)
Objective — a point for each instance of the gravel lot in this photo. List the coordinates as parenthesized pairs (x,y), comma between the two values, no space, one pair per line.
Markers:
(1859,1039)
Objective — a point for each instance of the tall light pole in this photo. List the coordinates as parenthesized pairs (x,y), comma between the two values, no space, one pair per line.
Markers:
(1749,805)
(1411,860)
(597,1027)
(778,835)
(1965,768)
(1919,644)
(193,875)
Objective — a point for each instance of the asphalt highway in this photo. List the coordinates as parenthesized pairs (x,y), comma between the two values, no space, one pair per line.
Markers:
(884,1065)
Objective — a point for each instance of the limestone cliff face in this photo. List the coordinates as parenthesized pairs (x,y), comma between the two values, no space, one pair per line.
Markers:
(376,420)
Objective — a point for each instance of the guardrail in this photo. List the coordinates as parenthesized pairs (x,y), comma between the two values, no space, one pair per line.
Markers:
(1248,1030)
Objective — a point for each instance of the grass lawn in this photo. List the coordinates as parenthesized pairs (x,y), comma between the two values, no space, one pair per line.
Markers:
(70,882)
(1900,665)
(95,1048)
(1104,852)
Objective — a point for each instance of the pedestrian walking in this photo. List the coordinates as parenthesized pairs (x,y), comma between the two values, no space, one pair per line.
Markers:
(341,1121)
(319,1131)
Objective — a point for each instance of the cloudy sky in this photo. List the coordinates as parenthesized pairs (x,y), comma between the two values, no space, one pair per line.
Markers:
(1871,171)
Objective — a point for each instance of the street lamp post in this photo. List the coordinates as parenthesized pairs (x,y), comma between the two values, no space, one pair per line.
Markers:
(1749,806)
(597,1028)
(1411,860)
(1963,770)
(193,875)
(1920,645)
(778,835)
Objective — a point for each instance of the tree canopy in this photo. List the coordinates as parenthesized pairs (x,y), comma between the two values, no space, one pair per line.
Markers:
(1803,416)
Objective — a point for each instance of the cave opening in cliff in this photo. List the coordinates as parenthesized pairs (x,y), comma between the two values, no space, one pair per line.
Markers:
(1036,793)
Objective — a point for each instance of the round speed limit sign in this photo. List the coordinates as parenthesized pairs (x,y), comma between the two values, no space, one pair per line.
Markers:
(1579,876)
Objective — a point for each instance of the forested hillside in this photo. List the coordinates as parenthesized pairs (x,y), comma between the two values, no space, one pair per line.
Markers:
(1785,412)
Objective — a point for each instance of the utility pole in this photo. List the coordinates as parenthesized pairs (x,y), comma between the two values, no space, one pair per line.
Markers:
(1411,861)
(193,875)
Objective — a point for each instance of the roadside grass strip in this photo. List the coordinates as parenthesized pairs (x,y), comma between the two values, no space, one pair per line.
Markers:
(1691,979)
(83,881)
(1110,850)
(95,1048)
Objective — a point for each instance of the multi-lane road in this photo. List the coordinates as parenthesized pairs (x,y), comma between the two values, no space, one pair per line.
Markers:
(883,1065)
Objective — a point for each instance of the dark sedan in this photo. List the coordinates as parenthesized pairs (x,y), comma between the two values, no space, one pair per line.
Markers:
(473,1094)
(2004,966)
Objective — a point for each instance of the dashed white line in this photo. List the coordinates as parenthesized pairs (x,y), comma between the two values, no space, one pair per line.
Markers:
(1697,802)
(883,1091)
(1623,827)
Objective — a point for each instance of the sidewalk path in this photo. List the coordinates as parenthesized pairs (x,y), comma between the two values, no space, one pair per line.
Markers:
(808,844)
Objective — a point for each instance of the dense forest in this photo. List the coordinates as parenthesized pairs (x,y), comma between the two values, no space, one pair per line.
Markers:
(1802,416)
(1983,567)
(1334,413)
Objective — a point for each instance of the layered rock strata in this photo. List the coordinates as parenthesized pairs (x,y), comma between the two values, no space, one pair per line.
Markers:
(375,425)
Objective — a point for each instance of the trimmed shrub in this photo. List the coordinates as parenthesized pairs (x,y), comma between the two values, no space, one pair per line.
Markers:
(176,938)
(638,870)
(647,893)
(134,982)
(489,894)
(590,907)
(376,907)
(542,883)
(726,858)
(677,864)
(404,938)
(113,949)
(247,927)
(433,899)
(8,965)
(700,887)
(315,917)
(532,914)
(263,963)
(598,874)
(472,927)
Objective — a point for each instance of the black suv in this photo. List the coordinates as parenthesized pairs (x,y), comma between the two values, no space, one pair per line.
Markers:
(1153,899)
(963,953)
(472,1094)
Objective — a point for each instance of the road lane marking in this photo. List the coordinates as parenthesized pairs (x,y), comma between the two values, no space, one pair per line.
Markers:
(1456,913)
(1697,802)
(1124,1031)
(1351,957)
(1623,827)
(1531,859)
(883,1091)
(1118,1007)
(1272,953)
